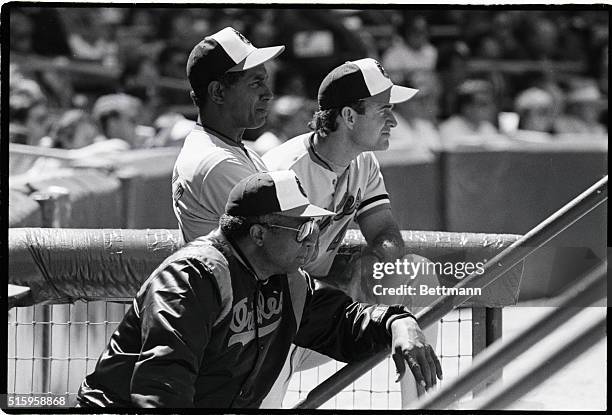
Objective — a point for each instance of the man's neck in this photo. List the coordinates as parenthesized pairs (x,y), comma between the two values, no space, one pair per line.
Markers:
(216,122)
(336,150)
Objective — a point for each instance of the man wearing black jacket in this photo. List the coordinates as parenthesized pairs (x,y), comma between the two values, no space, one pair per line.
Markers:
(212,326)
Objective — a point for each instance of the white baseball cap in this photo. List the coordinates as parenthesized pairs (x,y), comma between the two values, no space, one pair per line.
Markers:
(273,192)
(360,79)
(225,51)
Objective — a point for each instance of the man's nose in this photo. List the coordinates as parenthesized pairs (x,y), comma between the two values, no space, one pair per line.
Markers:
(392,120)
(267,93)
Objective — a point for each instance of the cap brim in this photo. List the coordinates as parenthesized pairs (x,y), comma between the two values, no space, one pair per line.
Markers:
(401,94)
(307,211)
(257,57)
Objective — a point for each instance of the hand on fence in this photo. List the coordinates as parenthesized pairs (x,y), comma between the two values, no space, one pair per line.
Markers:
(409,345)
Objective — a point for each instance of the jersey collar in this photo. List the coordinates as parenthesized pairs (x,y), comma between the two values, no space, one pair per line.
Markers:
(227,140)
(318,159)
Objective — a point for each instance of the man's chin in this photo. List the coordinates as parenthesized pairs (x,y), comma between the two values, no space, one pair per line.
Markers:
(259,121)
(384,145)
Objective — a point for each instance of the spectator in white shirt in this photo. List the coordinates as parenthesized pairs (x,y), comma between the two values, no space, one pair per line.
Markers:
(473,122)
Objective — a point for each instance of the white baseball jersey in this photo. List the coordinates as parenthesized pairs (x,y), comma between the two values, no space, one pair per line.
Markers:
(207,168)
(357,191)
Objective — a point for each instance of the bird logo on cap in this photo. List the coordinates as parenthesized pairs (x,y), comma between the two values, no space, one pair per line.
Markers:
(382,70)
(241,36)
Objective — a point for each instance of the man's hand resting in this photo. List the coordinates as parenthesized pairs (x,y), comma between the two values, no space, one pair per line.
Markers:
(409,346)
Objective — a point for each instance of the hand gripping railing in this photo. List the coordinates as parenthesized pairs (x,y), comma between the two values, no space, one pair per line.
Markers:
(585,292)
(493,269)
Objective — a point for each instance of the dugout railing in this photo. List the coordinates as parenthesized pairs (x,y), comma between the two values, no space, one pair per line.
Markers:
(572,212)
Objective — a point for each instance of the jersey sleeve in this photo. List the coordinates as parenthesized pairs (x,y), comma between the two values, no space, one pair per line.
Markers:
(177,312)
(346,330)
(219,181)
(375,195)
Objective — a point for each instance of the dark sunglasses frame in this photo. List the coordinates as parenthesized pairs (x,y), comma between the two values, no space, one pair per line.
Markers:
(305,230)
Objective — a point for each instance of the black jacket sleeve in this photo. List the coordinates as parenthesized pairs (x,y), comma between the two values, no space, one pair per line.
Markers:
(346,330)
(177,312)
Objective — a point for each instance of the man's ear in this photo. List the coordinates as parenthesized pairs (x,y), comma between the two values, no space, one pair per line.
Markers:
(348,117)
(257,234)
(216,92)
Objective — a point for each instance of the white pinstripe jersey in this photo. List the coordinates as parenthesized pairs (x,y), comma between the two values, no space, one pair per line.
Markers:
(207,168)
(358,191)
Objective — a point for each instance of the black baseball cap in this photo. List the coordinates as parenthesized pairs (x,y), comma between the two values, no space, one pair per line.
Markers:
(273,192)
(225,51)
(355,80)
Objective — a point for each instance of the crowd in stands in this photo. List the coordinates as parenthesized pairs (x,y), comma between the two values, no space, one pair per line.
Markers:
(111,79)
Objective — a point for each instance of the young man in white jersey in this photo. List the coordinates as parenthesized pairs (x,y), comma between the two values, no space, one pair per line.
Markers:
(337,168)
(229,85)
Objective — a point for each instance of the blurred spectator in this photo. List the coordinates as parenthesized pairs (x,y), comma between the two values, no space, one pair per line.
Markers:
(117,115)
(289,81)
(473,121)
(504,34)
(92,40)
(539,37)
(28,112)
(171,129)
(416,118)
(183,28)
(140,78)
(21,29)
(498,39)
(171,61)
(453,70)
(536,110)
(288,117)
(171,64)
(584,104)
(30,31)
(316,40)
(411,53)
(79,133)
(74,129)
(263,31)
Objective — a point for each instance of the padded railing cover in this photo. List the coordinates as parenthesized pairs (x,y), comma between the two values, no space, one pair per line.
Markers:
(62,265)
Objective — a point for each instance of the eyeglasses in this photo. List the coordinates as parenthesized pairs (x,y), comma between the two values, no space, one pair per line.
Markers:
(306,229)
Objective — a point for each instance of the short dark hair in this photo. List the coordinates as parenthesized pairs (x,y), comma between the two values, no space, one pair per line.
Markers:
(325,121)
(237,227)
(227,80)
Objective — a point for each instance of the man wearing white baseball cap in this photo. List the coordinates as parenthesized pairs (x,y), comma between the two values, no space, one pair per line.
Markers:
(336,165)
(213,324)
(229,84)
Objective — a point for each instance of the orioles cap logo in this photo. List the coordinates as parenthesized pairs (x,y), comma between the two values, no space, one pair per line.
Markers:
(300,187)
(382,70)
(241,36)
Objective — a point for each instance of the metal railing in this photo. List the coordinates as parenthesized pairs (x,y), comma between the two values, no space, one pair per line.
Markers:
(588,290)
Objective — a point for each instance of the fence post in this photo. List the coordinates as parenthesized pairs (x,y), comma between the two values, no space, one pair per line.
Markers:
(55,206)
(486,329)
(128,177)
